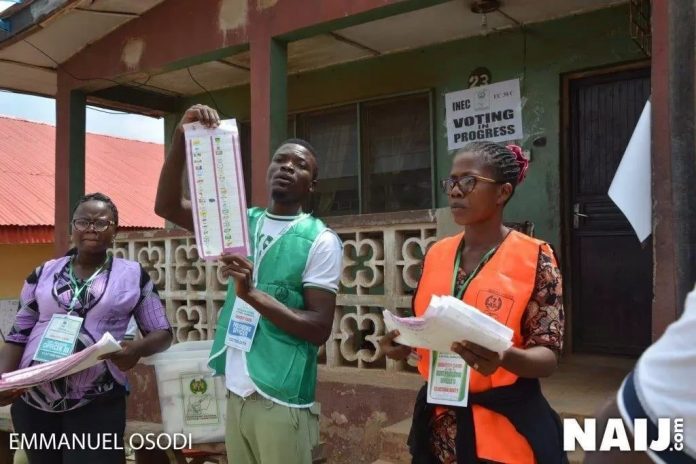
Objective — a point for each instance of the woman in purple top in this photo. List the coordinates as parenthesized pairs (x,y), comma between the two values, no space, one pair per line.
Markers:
(105,292)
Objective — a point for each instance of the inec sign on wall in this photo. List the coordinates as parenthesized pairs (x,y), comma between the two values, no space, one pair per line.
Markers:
(491,112)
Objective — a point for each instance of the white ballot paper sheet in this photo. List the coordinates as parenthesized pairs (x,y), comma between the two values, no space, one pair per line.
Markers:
(216,183)
(448,320)
(47,372)
(631,187)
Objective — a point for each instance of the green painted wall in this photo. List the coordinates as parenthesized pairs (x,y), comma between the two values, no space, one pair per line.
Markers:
(552,48)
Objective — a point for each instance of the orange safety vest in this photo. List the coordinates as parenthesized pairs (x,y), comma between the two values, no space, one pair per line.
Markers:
(502,289)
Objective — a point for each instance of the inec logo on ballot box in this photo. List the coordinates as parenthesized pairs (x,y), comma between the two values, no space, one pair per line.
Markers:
(198,386)
(669,435)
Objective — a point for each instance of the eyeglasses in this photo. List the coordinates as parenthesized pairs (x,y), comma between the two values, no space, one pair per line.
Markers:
(466,184)
(99,225)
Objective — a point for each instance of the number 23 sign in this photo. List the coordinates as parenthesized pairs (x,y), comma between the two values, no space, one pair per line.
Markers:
(479,76)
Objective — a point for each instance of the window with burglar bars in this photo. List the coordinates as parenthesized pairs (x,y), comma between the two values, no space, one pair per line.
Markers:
(374,156)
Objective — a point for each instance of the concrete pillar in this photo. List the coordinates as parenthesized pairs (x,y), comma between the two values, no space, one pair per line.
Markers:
(269,108)
(70,158)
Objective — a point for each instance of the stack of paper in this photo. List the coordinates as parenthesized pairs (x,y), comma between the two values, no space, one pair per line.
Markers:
(47,372)
(448,320)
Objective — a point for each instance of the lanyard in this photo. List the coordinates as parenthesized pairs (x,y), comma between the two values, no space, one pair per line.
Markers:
(79,289)
(258,252)
(471,276)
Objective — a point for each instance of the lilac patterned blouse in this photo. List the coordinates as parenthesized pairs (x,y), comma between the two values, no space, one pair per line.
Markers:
(105,307)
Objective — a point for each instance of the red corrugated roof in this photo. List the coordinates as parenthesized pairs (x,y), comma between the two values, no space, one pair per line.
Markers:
(126,170)
(16,235)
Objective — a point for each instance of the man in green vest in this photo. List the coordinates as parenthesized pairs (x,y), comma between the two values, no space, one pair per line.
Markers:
(284,295)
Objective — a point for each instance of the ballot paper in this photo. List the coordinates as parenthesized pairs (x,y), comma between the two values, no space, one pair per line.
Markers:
(47,372)
(448,320)
(216,183)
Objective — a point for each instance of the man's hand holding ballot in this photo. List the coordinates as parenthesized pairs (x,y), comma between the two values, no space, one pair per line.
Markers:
(241,269)
(309,324)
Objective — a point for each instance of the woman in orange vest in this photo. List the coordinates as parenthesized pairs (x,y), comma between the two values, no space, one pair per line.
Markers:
(514,279)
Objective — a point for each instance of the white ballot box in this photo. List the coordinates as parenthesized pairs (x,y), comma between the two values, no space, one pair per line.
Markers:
(192,400)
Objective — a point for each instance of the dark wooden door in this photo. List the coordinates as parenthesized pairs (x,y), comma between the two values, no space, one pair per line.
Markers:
(611,271)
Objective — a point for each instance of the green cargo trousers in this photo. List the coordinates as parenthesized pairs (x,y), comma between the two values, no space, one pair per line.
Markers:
(259,431)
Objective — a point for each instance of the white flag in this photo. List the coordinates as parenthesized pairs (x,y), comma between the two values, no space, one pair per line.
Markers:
(631,188)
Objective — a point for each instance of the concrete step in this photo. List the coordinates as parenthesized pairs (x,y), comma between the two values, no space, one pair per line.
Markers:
(576,457)
(395,451)
(583,383)
(394,448)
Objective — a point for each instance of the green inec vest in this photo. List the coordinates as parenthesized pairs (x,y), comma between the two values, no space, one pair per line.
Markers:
(281,366)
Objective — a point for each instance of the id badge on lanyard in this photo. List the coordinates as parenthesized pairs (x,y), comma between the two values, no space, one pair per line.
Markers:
(245,319)
(58,340)
(448,380)
(243,323)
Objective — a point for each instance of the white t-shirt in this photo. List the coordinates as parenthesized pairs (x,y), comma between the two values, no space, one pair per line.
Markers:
(132,330)
(665,375)
(323,270)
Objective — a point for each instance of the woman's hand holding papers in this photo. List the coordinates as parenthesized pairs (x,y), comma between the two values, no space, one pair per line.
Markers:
(479,358)
(393,350)
(127,358)
(9,396)
(533,362)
